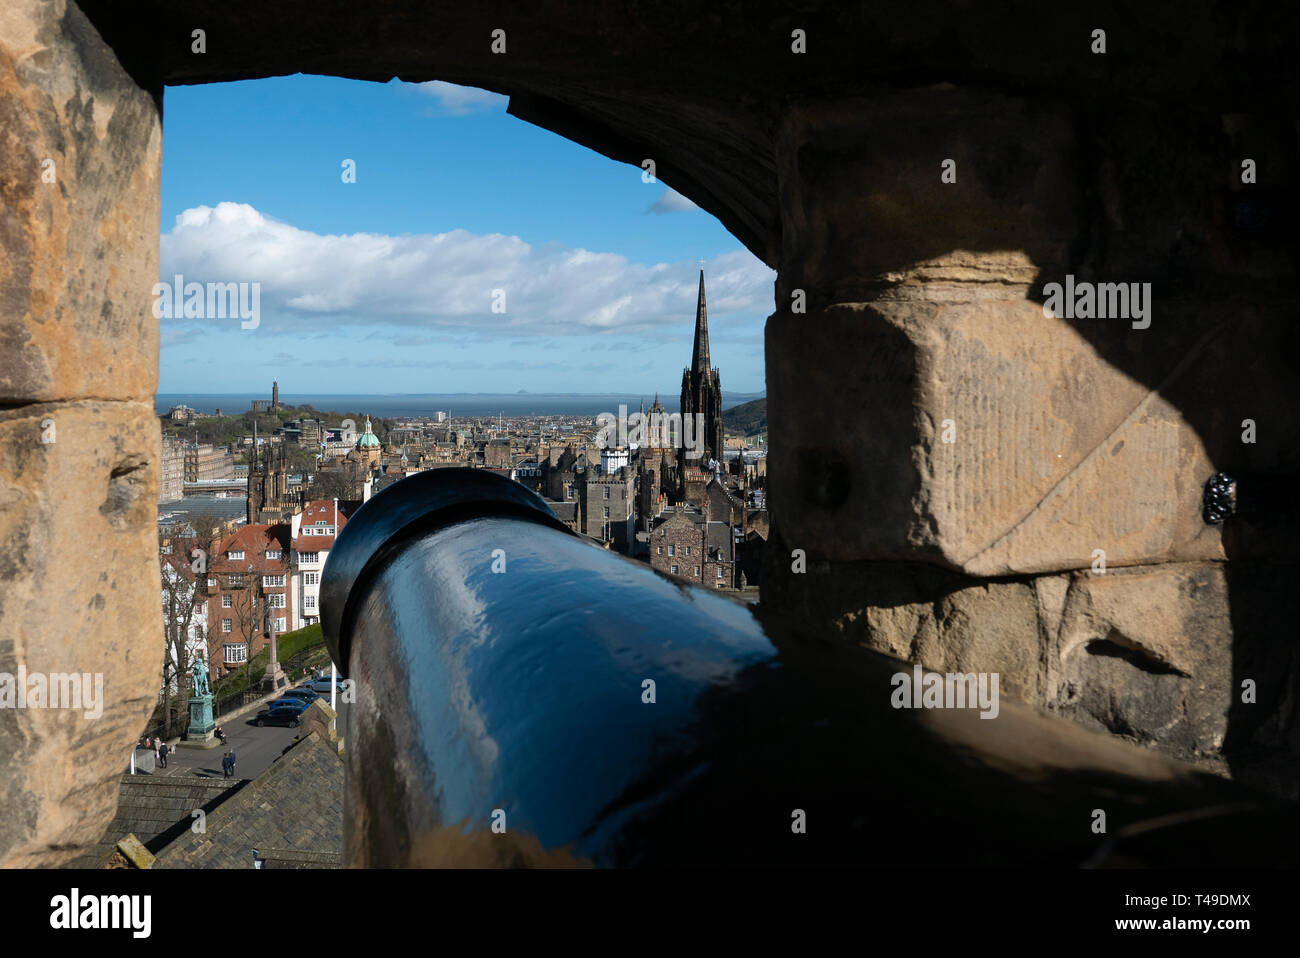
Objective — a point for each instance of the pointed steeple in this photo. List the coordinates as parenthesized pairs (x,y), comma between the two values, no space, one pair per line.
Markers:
(700,356)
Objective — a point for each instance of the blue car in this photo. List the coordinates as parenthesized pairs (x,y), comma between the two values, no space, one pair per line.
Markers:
(302,692)
(295,704)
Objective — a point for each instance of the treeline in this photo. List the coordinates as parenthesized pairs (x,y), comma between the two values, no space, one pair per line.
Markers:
(225,429)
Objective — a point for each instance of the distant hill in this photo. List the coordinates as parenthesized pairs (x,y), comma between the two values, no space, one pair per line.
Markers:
(746,419)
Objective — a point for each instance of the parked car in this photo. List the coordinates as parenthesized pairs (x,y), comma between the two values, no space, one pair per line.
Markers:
(322,685)
(296,703)
(302,692)
(280,713)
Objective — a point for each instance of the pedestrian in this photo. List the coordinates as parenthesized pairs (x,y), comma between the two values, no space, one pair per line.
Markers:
(232,761)
(162,753)
(225,764)
(157,751)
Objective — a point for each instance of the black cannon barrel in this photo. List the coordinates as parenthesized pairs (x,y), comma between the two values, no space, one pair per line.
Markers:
(524,697)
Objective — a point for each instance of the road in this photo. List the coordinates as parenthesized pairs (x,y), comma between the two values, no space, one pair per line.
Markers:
(255,748)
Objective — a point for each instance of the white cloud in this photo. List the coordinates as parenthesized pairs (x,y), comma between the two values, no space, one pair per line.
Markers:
(461,100)
(671,202)
(310,282)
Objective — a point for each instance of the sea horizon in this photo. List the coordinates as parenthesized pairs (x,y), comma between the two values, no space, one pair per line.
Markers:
(393,405)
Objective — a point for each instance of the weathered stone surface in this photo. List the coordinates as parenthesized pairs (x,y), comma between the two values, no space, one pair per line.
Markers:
(78,594)
(928,406)
(1157,655)
(1055,453)
(864,205)
(79,159)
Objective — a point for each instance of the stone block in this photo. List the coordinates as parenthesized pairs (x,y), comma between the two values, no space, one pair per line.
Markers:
(80,146)
(79,593)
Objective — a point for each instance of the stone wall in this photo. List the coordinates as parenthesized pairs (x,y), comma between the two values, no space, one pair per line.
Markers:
(79,442)
(982,482)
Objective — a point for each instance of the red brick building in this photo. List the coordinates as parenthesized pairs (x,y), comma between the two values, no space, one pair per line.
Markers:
(250,590)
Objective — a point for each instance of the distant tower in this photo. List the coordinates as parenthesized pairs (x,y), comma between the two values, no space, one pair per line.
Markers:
(368,448)
(275,395)
(702,388)
(256,484)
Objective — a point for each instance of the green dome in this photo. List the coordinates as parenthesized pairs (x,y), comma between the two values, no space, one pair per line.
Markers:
(368,440)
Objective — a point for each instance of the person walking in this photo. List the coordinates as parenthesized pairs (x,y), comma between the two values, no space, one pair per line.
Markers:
(162,753)
(226,765)
(232,761)
(157,752)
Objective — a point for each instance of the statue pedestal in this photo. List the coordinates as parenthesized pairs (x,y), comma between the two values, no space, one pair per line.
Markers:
(274,680)
(201,724)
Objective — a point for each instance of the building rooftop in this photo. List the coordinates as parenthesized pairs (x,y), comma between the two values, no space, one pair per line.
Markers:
(292,814)
(156,810)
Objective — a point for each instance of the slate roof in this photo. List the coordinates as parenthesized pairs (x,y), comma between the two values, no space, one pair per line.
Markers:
(719,538)
(292,814)
(564,511)
(152,808)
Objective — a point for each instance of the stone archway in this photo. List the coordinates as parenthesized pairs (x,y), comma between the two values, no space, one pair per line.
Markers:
(907,313)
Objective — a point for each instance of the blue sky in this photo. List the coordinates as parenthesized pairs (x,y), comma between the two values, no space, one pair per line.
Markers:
(388,284)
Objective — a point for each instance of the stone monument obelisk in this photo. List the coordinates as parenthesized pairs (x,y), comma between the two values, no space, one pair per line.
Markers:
(274,679)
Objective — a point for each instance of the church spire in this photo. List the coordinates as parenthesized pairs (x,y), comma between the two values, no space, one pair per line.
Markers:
(700,356)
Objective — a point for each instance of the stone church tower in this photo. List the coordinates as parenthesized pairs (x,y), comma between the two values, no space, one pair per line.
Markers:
(268,486)
(702,389)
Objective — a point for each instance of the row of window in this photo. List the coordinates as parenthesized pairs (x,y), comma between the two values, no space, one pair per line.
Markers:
(268,581)
(276,554)
(672,549)
(228,625)
(270,554)
(697,571)
(316,531)
(275,600)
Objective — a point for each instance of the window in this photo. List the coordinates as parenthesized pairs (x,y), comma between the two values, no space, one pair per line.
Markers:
(275,600)
(674,570)
(310,578)
(212,583)
(320,522)
(235,555)
(697,572)
(166,550)
(688,550)
(309,602)
(308,558)
(235,652)
(606,512)
(225,625)
(274,554)
(236,579)
(272,581)
(225,602)
(661,550)
(607,492)
(719,572)
(672,549)
(279,625)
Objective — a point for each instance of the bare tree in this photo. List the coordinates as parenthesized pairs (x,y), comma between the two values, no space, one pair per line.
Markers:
(183,585)
(336,482)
